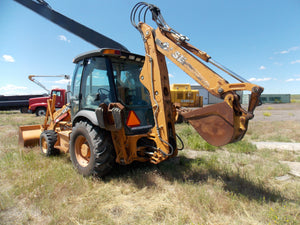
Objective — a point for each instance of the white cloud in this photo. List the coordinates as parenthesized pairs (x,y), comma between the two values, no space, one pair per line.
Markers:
(11,89)
(295,48)
(278,64)
(284,52)
(293,79)
(170,75)
(62,81)
(296,61)
(8,58)
(253,79)
(262,68)
(54,86)
(63,38)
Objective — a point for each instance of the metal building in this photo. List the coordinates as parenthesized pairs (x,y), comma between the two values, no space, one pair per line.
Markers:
(275,98)
(208,98)
(270,98)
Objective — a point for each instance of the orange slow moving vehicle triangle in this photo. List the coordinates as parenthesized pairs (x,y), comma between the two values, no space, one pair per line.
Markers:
(133,120)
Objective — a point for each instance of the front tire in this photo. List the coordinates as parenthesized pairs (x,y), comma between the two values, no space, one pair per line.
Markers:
(40,111)
(47,141)
(91,150)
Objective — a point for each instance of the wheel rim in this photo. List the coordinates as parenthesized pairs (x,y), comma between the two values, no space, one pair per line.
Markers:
(41,112)
(82,151)
(44,145)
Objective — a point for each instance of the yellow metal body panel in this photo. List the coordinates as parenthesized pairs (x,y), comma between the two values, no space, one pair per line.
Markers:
(63,138)
(185,96)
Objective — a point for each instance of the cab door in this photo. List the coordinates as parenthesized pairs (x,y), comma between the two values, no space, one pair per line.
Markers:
(59,98)
(75,95)
(96,85)
(133,95)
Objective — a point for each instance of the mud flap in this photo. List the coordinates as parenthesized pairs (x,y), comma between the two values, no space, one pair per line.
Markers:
(215,123)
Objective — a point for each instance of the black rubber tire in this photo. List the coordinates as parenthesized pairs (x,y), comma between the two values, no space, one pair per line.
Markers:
(24,110)
(41,111)
(48,139)
(101,157)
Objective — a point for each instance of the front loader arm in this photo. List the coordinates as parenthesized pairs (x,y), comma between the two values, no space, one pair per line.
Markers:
(218,124)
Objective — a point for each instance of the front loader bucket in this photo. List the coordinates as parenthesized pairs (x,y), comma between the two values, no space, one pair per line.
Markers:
(29,135)
(218,124)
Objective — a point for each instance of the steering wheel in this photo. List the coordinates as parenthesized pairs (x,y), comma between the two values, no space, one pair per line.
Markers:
(104,93)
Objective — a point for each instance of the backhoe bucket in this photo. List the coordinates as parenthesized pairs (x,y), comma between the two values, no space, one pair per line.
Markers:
(216,124)
(29,135)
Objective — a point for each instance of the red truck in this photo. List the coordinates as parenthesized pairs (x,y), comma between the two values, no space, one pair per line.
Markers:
(39,105)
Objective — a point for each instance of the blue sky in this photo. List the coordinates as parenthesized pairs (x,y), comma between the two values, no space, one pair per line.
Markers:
(257,39)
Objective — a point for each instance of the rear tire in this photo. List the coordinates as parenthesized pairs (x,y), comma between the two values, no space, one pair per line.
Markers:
(24,110)
(91,150)
(40,111)
(47,141)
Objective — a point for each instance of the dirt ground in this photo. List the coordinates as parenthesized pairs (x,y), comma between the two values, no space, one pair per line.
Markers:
(277,112)
(280,112)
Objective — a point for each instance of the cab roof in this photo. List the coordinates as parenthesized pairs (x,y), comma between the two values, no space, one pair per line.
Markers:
(111,52)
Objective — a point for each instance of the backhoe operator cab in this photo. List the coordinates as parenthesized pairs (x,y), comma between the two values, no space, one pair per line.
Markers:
(110,109)
(107,76)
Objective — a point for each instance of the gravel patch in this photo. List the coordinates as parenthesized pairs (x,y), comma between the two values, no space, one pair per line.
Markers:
(294,167)
(277,112)
(278,145)
(285,146)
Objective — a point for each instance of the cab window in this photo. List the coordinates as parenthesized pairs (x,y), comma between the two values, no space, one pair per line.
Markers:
(130,90)
(133,94)
(75,92)
(57,93)
(95,84)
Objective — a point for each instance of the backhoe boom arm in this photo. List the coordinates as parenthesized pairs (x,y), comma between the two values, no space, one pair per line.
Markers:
(218,124)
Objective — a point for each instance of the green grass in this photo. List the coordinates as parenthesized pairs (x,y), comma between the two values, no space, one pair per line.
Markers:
(235,184)
(267,114)
(295,98)
(191,139)
(241,147)
(280,131)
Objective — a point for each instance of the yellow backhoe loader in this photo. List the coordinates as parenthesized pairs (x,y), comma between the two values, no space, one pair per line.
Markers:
(120,106)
